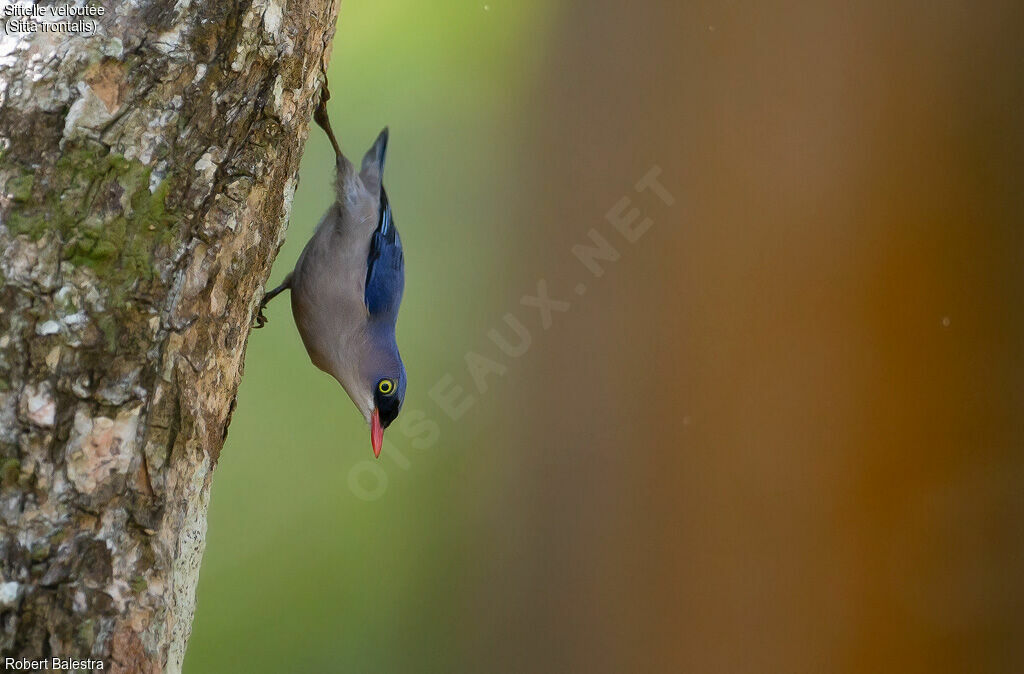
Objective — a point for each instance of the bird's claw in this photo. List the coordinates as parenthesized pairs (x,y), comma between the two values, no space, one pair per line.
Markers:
(322,120)
(261,320)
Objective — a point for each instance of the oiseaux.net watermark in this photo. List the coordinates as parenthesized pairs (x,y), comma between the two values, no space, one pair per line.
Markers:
(626,223)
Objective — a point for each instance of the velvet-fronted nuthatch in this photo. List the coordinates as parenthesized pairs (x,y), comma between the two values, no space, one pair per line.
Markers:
(347,286)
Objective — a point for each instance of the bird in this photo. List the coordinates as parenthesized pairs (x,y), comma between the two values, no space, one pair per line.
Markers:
(347,285)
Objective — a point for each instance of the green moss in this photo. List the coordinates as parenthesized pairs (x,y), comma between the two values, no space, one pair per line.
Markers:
(139,584)
(110,327)
(86,633)
(10,470)
(40,552)
(103,251)
(101,206)
(20,188)
(33,224)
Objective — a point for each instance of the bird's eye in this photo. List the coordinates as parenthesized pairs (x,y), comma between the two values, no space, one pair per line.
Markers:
(386,386)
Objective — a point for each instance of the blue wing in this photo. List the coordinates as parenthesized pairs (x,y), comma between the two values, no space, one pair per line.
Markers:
(385,267)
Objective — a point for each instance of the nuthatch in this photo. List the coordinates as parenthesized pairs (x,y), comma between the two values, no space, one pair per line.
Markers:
(347,286)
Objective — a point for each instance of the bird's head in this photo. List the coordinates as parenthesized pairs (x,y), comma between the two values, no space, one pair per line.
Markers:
(387,403)
(388,393)
(383,382)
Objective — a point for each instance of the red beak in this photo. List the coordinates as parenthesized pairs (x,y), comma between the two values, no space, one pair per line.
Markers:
(376,433)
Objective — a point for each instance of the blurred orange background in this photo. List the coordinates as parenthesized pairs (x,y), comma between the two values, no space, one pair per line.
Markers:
(788,435)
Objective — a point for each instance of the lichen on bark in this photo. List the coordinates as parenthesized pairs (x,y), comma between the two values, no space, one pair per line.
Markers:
(146,177)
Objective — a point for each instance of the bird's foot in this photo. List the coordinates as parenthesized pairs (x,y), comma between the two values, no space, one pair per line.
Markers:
(261,320)
(322,120)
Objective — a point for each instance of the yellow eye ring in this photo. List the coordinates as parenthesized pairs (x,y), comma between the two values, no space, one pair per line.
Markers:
(386,387)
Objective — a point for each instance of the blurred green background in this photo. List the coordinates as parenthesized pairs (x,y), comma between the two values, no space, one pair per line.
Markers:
(781,433)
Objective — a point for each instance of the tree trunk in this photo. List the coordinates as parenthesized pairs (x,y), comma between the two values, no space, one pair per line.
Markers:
(146,177)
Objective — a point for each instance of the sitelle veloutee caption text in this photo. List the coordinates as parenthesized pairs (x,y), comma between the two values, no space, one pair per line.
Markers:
(46,19)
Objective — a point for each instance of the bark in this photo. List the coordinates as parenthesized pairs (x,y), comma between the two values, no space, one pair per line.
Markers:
(146,177)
